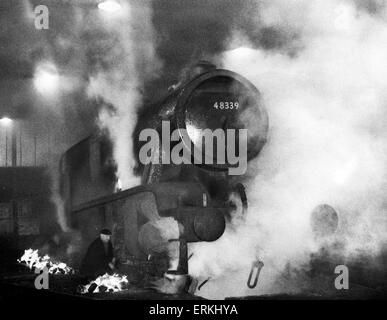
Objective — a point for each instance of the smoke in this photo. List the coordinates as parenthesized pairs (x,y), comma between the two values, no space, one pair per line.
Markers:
(127,63)
(325,92)
(58,201)
(48,76)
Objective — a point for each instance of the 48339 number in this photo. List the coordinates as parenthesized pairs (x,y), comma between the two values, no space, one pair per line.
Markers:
(226,105)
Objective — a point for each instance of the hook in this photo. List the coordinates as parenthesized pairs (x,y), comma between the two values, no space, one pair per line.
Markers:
(256,265)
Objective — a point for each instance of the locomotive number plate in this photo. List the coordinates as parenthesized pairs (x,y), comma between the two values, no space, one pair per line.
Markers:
(226,105)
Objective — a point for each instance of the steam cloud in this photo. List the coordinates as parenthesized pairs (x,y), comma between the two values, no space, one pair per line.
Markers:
(325,92)
(128,62)
(86,53)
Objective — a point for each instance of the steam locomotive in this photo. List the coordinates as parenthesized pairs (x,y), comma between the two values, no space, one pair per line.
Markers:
(195,194)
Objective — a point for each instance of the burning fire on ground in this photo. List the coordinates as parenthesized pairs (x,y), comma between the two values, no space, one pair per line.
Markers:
(106,283)
(32,260)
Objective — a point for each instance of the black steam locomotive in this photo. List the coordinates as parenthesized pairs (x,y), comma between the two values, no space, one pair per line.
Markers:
(195,194)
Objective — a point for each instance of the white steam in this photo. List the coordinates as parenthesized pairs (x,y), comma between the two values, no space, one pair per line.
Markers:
(59,203)
(131,60)
(327,107)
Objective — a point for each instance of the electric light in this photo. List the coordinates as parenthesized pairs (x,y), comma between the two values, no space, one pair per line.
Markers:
(109,6)
(5,121)
(46,79)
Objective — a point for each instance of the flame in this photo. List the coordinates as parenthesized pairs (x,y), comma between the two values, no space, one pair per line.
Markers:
(32,260)
(107,282)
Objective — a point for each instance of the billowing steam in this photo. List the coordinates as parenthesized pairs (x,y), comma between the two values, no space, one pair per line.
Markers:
(86,53)
(128,62)
(326,98)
